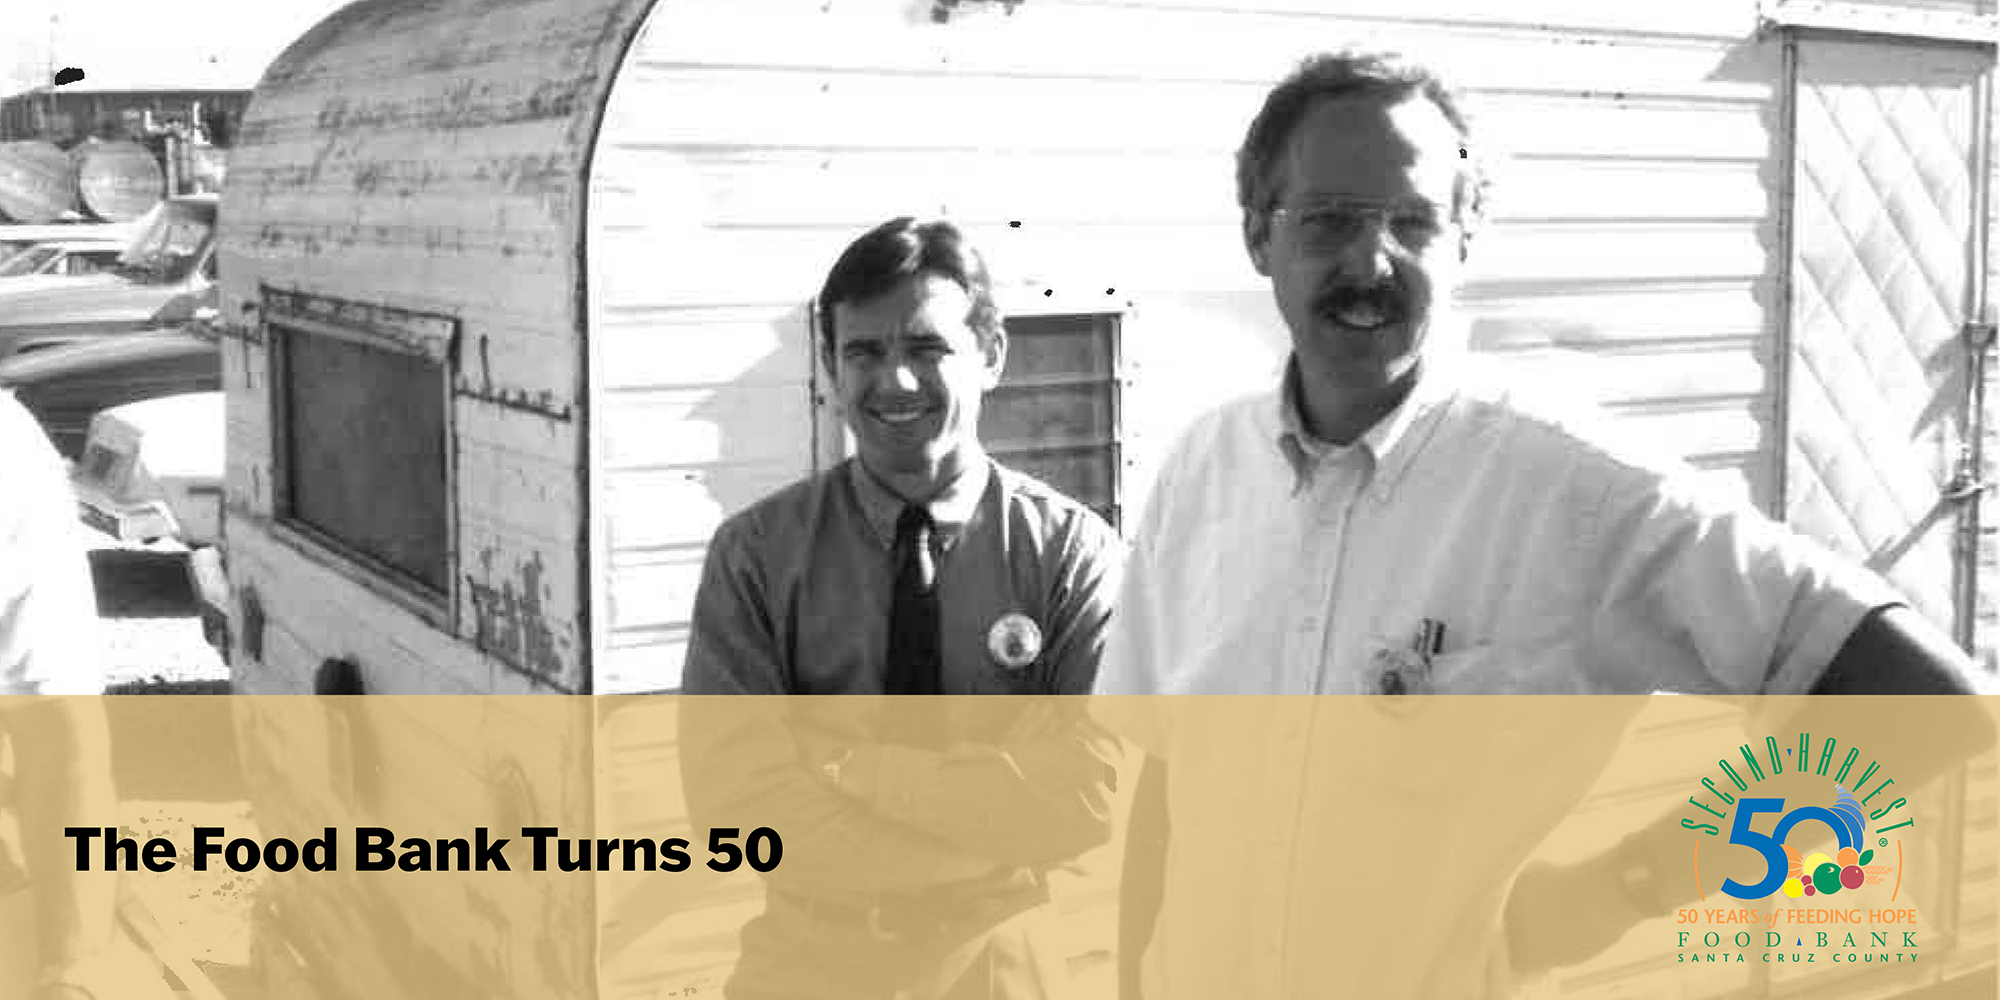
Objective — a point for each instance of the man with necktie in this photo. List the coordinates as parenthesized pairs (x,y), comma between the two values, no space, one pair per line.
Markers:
(918,831)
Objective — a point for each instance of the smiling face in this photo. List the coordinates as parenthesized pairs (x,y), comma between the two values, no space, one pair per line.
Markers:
(909,371)
(1364,250)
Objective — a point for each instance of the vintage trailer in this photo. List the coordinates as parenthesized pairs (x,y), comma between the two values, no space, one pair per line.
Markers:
(517,303)
(570,269)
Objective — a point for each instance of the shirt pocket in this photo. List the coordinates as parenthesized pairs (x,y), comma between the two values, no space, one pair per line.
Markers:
(1533,654)
(1599,653)
(1551,665)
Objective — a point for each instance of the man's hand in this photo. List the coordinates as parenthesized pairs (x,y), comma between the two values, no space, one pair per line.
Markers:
(1082,746)
(850,767)
(851,764)
(1043,719)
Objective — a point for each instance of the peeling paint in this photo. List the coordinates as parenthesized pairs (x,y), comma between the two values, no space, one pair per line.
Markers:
(356,187)
(509,619)
(467,105)
(251,617)
(541,402)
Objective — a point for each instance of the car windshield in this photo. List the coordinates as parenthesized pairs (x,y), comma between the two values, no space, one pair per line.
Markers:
(29,261)
(92,261)
(170,243)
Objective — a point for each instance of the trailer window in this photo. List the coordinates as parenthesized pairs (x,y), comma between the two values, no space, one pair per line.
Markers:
(362,446)
(1055,413)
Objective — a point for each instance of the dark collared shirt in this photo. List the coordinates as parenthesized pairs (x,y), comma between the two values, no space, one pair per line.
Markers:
(796,590)
(795,600)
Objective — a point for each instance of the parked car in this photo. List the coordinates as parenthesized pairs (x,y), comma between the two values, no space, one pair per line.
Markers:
(66,385)
(152,470)
(70,257)
(151,473)
(166,272)
(18,237)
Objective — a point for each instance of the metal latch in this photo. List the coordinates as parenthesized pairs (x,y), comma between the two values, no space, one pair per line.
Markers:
(1978,335)
(1963,488)
(1965,485)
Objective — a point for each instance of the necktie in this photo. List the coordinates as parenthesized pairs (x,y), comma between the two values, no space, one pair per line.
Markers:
(914,652)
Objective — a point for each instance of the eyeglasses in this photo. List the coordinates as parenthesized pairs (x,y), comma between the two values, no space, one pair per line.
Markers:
(1328,226)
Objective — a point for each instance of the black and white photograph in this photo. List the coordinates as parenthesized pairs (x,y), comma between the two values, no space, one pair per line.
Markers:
(849,416)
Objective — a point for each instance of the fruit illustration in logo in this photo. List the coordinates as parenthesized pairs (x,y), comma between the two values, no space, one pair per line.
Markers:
(1837,866)
(1851,875)
(1820,875)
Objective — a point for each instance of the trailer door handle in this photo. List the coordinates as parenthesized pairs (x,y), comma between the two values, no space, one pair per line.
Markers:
(1962,490)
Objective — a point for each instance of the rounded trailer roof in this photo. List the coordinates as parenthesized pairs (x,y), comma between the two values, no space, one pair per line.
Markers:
(427,154)
(422,165)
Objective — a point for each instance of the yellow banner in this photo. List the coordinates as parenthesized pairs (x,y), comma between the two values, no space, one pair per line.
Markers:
(647,847)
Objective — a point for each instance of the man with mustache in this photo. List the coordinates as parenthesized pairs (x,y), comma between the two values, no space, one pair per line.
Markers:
(918,831)
(1381,522)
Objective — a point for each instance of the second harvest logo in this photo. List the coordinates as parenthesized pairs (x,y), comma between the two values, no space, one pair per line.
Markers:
(1829,850)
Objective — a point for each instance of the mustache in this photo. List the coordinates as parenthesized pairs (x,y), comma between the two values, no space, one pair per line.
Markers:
(1385,295)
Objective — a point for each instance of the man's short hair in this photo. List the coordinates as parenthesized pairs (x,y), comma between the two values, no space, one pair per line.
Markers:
(1349,72)
(900,249)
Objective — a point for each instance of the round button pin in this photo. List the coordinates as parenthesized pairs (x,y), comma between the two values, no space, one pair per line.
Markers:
(1014,640)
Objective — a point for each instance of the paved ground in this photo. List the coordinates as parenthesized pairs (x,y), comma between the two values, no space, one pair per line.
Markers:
(152,637)
(153,644)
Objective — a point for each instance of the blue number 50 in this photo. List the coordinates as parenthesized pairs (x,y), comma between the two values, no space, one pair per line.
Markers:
(1772,847)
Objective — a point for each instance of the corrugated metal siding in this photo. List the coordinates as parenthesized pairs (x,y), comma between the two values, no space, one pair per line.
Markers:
(746,142)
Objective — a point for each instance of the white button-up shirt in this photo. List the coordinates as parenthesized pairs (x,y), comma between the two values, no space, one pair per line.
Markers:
(1557,560)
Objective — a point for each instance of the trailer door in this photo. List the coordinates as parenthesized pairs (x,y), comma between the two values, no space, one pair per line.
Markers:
(1886,259)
